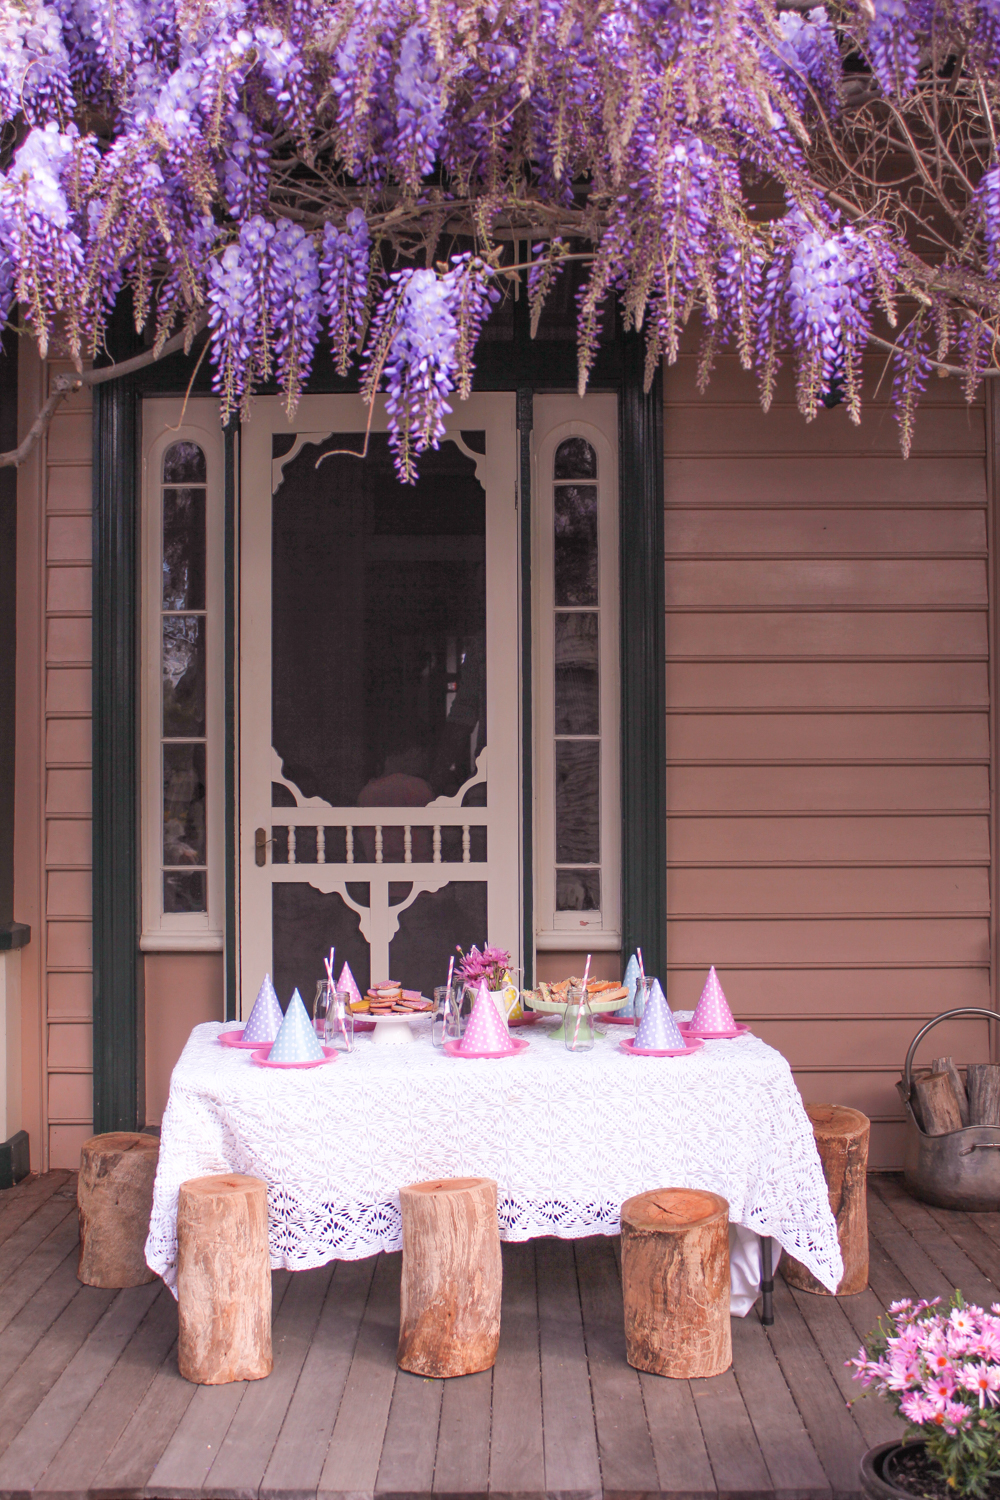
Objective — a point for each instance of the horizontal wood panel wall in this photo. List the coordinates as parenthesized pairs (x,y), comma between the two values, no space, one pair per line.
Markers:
(67,759)
(828,727)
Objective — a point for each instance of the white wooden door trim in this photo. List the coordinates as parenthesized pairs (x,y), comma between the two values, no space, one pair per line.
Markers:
(320,416)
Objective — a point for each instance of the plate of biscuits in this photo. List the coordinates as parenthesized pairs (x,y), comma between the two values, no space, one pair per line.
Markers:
(387,998)
(604,995)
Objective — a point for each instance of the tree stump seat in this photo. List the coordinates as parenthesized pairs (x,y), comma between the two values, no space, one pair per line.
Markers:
(449,1313)
(114,1196)
(842,1142)
(675,1281)
(223,1280)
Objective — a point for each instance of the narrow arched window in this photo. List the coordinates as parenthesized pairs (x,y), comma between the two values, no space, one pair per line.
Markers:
(577,677)
(578,902)
(182,674)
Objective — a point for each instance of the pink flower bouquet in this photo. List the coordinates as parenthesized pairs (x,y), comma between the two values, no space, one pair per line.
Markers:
(491,964)
(939,1366)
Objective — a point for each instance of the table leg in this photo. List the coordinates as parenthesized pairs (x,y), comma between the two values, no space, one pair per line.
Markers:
(766,1281)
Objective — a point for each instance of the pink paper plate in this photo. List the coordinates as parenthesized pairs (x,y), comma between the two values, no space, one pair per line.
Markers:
(617,1020)
(628,1046)
(517,1045)
(234,1038)
(263,1061)
(714,1036)
(530,1019)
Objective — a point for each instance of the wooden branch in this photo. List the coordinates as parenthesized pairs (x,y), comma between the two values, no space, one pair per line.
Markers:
(989,373)
(64,385)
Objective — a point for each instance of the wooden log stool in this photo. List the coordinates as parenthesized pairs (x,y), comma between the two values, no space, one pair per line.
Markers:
(114,1195)
(449,1306)
(842,1141)
(223,1280)
(675,1280)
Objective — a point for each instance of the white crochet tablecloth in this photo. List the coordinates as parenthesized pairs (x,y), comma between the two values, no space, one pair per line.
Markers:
(568,1137)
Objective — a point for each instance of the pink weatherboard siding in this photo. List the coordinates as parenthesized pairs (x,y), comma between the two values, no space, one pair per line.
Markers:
(828,746)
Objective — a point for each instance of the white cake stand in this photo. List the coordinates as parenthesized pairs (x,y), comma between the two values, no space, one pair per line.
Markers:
(392,1030)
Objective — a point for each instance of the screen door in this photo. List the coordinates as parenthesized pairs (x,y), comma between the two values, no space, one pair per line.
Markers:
(379,784)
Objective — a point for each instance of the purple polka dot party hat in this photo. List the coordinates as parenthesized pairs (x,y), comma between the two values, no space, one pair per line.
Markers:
(712,1012)
(484,1031)
(296,1040)
(265,1018)
(658,1030)
(348,982)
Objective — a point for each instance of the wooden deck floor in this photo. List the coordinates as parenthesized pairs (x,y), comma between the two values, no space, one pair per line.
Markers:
(91,1404)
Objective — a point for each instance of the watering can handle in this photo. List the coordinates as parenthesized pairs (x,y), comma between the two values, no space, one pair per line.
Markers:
(991,1015)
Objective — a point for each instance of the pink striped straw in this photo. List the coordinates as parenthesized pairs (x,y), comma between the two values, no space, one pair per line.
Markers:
(579,1014)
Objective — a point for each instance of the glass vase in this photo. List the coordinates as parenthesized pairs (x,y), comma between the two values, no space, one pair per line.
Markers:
(321,1006)
(578,1021)
(643,988)
(340,1022)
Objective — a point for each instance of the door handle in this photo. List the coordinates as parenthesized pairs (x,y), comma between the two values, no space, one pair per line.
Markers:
(260,843)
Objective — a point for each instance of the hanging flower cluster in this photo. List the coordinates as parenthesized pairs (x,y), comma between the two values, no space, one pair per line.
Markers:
(378,172)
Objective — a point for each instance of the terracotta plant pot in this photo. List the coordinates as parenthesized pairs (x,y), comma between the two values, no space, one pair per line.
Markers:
(873,1484)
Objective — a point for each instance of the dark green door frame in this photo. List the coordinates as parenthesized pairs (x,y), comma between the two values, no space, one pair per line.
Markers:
(643,663)
(119,1071)
(119,1074)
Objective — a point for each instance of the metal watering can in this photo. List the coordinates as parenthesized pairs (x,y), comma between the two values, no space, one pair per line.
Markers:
(957,1170)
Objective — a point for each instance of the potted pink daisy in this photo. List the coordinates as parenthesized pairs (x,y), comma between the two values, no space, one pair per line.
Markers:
(939,1367)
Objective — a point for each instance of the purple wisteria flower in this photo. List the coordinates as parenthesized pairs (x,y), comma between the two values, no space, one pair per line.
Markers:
(267,163)
(295,306)
(420,368)
(344,266)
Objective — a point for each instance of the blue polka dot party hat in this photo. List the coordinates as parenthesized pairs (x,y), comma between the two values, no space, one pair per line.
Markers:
(265,1018)
(348,982)
(484,1031)
(296,1040)
(712,1012)
(658,1030)
(629,981)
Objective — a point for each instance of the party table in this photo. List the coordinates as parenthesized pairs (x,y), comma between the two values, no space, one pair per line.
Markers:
(567,1136)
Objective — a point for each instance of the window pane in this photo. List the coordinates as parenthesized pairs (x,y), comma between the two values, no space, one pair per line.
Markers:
(578,890)
(183,549)
(577,692)
(183,676)
(575,459)
(576,544)
(184,463)
(184,804)
(184,891)
(379,600)
(578,801)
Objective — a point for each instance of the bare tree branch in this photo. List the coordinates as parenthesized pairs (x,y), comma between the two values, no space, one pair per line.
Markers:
(64,385)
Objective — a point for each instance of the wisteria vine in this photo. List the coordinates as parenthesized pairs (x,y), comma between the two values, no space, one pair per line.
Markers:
(379,173)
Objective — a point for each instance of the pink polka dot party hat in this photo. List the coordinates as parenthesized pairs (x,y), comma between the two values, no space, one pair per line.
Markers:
(484,1031)
(348,982)
(712,1012)
(265,1018)
(296,1040)
(658,1030)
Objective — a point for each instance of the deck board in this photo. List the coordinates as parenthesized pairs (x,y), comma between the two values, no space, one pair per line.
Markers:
(785,1444)
(569,1439)
(29,1454)
(75,1465)
(352,1461)
(92,1406)
(517,1455)
(249,1442)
